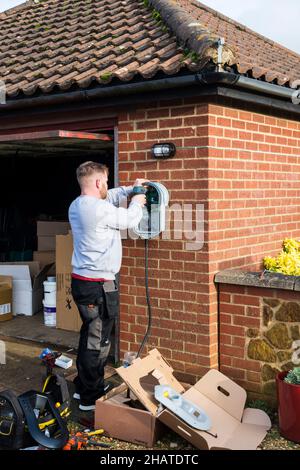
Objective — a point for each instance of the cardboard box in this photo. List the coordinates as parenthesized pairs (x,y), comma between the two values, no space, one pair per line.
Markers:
(45,258)
(28,289)
(6,285)
(52,228)
(121,421)
(46,243)
(67,315)
(233,427)
(47,231)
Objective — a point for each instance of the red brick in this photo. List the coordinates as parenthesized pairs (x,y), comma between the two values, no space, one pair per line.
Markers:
(233,373)
(183,132)
(245,300)
(246,364)
(158,134)
(232,330)
(184,111)
(146,124)
(176,122)
(233,309)
(246,321)
(233,351)
(196,121)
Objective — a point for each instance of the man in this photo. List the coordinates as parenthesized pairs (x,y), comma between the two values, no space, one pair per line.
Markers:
(96,219)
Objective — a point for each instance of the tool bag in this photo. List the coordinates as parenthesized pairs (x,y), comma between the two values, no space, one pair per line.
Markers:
(32,418)
(56,386)
(12,422)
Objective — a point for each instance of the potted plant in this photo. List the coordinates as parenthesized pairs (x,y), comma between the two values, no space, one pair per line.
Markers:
(288,395)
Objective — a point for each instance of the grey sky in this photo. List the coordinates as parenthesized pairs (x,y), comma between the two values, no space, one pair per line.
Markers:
(275,19)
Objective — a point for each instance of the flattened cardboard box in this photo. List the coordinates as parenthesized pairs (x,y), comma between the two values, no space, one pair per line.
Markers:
(67,316)
(233,426)
(6,284)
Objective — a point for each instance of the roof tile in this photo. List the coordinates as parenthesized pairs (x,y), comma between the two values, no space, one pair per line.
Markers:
(51,45)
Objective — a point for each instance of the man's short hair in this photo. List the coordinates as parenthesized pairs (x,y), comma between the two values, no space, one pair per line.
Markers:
(89,168)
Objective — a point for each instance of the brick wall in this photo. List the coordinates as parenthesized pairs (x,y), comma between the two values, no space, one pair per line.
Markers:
(254,191)
(244,167)
(183,329)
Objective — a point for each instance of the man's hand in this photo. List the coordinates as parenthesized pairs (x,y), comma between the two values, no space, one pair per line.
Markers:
(140,199)
(140,182)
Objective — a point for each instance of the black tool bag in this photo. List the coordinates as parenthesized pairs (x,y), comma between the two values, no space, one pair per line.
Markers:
(30,419)
(12,422)
(35,405)
(57,388)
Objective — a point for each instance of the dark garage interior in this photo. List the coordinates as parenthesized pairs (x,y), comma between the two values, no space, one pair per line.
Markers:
(39,183)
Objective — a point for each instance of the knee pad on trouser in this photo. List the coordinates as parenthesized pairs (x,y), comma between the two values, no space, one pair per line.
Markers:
(104,349)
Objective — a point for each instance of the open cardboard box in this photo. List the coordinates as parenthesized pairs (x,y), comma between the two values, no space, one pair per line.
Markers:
(233,426)
(124,418)
(28,286)
(45,258)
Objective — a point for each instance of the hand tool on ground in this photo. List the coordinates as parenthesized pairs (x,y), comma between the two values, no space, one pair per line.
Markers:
(81,440)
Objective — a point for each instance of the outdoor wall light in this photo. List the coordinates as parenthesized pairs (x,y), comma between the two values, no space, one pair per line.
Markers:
(163,150)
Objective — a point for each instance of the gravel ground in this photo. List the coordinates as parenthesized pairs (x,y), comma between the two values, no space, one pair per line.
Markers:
(172,441)
(274,441)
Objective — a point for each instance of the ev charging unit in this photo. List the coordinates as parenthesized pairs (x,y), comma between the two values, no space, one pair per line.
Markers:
(154,212)
(152,224)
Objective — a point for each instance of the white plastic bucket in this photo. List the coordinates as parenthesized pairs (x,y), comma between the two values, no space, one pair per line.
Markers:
(50,292)
(49,314)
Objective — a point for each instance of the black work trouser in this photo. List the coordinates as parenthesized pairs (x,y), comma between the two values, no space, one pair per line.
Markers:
(97,311)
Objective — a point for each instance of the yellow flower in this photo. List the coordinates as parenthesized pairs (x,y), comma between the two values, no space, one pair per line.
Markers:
(288,260)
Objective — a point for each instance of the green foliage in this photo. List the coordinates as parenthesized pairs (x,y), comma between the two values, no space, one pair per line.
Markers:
(293,376)
(105,76)
(188,54)
(261,405)
(288,260)
(156,15)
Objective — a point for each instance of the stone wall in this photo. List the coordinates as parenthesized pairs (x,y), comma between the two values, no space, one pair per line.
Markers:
(259,329)
(277,343)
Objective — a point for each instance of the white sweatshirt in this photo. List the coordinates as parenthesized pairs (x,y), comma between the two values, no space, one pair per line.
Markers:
(96,225)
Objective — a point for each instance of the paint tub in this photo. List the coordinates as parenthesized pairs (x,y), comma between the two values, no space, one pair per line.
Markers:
(49,314)
(50,292)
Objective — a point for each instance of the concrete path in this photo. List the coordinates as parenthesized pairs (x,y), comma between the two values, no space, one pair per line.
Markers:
(33,329)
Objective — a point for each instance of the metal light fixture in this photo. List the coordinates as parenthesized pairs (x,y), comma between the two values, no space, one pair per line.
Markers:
(163,150)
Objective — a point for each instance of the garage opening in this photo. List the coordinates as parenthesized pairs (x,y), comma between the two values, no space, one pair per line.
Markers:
(38,183)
